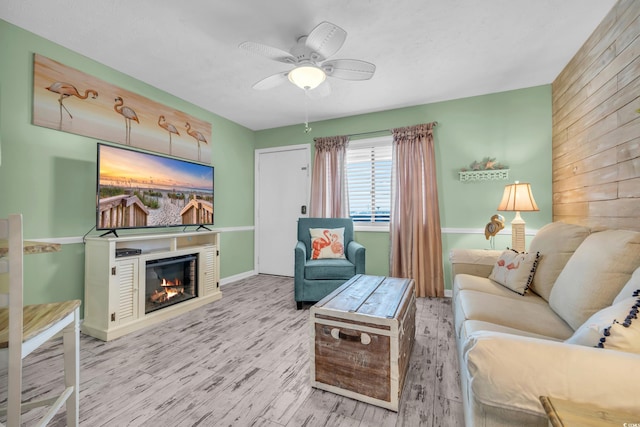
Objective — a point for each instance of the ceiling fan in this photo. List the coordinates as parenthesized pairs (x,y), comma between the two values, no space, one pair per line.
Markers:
(309,56)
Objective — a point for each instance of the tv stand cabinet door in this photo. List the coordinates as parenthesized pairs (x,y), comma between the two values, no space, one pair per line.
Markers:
(123,298)
(209,266)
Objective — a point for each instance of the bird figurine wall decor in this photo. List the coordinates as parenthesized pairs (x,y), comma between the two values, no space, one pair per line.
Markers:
(487,163)
(493,227)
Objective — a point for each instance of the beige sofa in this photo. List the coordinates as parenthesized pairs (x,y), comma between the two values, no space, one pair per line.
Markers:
(515,348)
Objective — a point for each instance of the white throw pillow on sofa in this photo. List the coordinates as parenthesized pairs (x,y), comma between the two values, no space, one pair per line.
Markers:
(595,274)
(624,335)
(593,329)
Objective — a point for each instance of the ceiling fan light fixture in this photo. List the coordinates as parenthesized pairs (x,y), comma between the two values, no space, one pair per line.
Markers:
(307,77)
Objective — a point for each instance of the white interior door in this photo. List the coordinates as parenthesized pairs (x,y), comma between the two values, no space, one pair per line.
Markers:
(282,196)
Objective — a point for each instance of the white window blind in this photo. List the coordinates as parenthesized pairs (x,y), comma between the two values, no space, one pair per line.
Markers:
(369,179)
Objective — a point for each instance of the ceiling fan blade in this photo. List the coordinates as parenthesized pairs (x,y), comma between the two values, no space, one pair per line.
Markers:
(349,69)
(321,91)
(271,81)
(269,52)
(326,39)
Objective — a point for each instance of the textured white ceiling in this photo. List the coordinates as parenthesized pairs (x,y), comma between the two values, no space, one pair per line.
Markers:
(425,50)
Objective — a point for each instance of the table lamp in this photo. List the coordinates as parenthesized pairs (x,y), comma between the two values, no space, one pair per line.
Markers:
(518,197)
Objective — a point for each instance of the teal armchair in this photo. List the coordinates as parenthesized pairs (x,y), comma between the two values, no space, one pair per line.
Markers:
(314,279)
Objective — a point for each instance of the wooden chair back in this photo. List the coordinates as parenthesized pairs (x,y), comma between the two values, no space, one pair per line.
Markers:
(25,328)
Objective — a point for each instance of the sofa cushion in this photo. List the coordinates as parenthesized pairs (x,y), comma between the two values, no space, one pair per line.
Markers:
(327,243)
(632,285)
(470,282)
(478,262)
(512,372)
(329,269)
(593,329)
(515,270)
(473,326)
(528,313)
(555,242)
(595,274)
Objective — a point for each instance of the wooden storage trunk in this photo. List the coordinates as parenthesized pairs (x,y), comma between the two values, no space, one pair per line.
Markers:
(361,339)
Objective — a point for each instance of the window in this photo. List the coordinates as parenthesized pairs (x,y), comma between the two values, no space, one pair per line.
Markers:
(369,180)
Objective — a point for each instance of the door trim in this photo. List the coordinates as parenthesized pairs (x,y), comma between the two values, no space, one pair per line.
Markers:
(256,194)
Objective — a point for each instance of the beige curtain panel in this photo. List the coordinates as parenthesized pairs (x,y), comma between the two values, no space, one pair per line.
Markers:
(329,197)
(416,240)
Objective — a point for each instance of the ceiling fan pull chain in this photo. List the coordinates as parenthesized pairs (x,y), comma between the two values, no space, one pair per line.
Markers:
(307,129)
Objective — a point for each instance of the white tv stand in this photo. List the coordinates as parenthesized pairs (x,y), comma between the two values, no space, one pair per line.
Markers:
(114,290)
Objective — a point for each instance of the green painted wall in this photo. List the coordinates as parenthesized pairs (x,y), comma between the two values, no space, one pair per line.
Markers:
(49,176)
(514,127)
(377,254)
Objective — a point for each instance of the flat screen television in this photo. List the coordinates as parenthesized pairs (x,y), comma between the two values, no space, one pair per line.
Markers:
(136,189)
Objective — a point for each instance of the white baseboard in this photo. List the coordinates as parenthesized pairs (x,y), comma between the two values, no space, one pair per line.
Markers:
(236,277)
(448,293)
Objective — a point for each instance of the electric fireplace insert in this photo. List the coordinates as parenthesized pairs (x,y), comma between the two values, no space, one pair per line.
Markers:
(170,281)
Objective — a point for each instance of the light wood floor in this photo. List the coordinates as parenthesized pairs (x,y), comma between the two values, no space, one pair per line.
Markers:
(243,361)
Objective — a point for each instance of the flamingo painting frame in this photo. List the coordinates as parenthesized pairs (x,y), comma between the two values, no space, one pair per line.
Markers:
(69,100)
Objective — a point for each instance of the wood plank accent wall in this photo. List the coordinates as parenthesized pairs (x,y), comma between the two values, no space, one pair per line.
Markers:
(596,128)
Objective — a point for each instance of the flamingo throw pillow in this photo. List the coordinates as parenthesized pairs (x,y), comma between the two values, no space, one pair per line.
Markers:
(515,270)
(327,243)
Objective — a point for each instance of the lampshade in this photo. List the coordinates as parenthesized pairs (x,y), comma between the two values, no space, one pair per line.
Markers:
(307,76)
(518,197)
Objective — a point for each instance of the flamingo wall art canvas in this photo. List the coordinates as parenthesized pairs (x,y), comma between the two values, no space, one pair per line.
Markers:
(72,101)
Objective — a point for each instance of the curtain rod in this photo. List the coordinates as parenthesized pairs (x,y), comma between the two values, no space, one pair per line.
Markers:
(370,132)
(378,131)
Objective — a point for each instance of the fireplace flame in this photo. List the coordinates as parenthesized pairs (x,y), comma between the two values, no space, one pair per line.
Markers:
(173,292)
(170,289)
(166,282)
